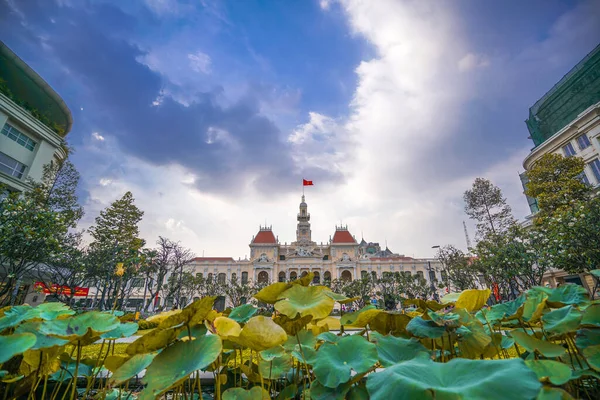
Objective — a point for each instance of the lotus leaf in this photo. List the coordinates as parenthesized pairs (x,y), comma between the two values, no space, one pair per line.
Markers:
(340,298)
(591,316)
(578,373)
(392,350)
(551,393)
(534,305)
(445,319)
(555,372)
(587,337)
(532,344)
(177,362)
(305,354)
(15,344)
(50,311)
(273,369)
(79,325)
(131,367)
(14,315)
(272,353)
(256,393)
(450,298)
(336,361)
(305,280)
(112,363)
(425,305)
(562,320)
(12,378)
(592,355)
(194,331)
(389,323)
(498,312)
(43,341)
(82,371)
(288,393)
(456,379)
(152,341)
(565,295)
(350,318)
(243,313)
(305,338)
(193,314)
(472,339)
(320,392)
(305,300)
(261,333)
(123,330)
(292,326)
(226,327)
(271,293)
(472,299)
(425,329)
(328,337)
(45,361)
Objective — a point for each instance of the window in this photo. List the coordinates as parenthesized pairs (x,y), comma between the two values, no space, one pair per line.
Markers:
(583,178)
(281,276)
(137,282)
(234,277)
(595,166)
(13,133)
(420,273)
(221,278)
(364,274)
(583,141)
(244,277)
(12,167)
(568,150)
(431,275)
(281,258)
(199,275)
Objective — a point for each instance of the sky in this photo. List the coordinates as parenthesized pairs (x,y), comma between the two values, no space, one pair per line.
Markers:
(212,112)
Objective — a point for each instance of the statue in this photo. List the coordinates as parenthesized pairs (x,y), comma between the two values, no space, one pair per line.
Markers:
(263,258)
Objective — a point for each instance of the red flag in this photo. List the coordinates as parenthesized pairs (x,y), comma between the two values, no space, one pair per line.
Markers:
(306,183)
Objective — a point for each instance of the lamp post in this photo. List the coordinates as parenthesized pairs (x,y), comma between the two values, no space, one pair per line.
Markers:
(432,276)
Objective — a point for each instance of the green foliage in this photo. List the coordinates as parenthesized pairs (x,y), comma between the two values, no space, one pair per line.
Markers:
(485,204)
(546,343)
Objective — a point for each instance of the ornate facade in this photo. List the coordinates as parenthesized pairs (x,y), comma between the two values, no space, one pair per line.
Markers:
(342,257)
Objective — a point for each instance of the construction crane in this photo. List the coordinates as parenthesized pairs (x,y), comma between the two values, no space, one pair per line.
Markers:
(467,237)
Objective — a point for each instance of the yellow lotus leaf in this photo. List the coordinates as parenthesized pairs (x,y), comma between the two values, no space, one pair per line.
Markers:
(49,361)
(472,299)
(261,333)
(305,300)
(270,294)
(305,280)
(318,329)
(153,340)
(365,317)
(112,363)
(226,327)
(292,326)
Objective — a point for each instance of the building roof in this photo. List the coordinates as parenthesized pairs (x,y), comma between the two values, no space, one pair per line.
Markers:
(213,259)
(264,236)
(26,88)
(342,236)
(391,258)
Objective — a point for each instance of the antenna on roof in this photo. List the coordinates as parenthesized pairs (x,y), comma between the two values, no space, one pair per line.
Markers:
(202,253)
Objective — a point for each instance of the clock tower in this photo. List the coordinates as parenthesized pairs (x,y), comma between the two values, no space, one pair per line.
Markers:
(303,234)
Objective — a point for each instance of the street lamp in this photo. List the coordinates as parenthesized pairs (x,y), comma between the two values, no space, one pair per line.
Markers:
(432,276)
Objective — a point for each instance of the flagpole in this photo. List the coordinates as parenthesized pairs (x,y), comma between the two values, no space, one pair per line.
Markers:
(302,186)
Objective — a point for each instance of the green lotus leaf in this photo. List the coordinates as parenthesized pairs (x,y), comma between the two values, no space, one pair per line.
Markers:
(392,350)
(256,393)
(153,340)
(288,393)
(79,325)
(425,329)
(472,299)
(552,393)
(390,323)
(562,320)
(43,341)
(566,295)
(272,353)
(592,355)
(14,315)
(595,272)
(195,331)
(329,337)
(304,337)
(456,379)
(15,344)
(271,293)
(320,392)
(445,319)
(340,298)
(555,372)
(498,312)
(67,371)
(350,318)
(117,394)
(3,374)
(534,305)
(243,313)
(177,362)
(114,362)
(305,300)
(131,368)
(305,354)
(472,339)
(305,280)
(425,305)
(122,331)
(587,337)
(358,392)
(50,311)
(261,333)
(191,315)
(591,316)
(335,361)
(532,344)
(276,367)
(450,298)
(578,373)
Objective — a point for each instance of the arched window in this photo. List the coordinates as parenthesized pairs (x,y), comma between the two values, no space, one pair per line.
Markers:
(346,276)
(221,278)
(317,278)
(374,275)
(263,277)
(244,277)
(293,276)
(282,276)
(210,277)
(303,274)
(364,274)
(325,257)
(327,276)
(234,277)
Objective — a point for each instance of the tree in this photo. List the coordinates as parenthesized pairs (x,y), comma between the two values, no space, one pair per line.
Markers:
(457,270)
(388,288)
(555,181)
(360,288)
(485,204)
(115,240)
(239,292)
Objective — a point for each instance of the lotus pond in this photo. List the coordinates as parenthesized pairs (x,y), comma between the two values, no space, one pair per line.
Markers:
(544,345)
